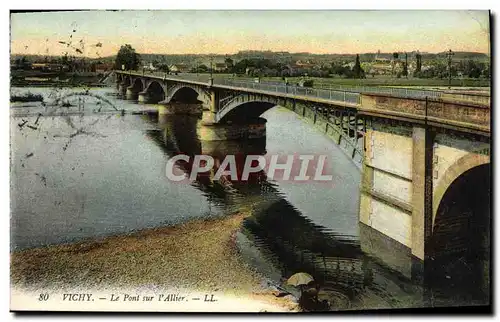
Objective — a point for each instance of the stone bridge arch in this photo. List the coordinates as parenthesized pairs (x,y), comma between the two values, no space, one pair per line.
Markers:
(155,91)
(243,109)
(337,123)
(458,169)
(138,84)
(189,94)
(459,246)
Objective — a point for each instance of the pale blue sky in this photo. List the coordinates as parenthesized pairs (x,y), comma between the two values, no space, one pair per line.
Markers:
(231,31)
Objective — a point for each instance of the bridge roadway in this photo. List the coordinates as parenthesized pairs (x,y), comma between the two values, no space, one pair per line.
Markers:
(419,156)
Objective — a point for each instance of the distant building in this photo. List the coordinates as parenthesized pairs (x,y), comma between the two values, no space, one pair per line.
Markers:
(301,64)
(47,67)
(249,70)
(382,60)
(150,67)
(179,68)
(398,66)
(219,67)
(412,67)
(380,68)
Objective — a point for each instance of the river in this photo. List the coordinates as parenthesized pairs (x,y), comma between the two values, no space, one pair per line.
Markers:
(97,169)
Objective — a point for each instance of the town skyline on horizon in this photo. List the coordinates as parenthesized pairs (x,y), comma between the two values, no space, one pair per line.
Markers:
(270,51)
(101,33)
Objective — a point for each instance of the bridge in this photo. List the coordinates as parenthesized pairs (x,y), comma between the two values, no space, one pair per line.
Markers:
(419,153)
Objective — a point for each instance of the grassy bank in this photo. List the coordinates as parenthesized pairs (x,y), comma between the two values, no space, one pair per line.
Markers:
(389,81)
(200,255)
(37,78)
(28,97)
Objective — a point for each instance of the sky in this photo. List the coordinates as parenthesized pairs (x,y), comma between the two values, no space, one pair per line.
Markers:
(227,32)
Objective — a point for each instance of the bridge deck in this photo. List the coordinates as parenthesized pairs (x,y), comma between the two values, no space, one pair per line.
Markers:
(348,99)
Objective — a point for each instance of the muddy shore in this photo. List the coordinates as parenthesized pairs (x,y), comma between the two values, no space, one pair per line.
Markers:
(199,255)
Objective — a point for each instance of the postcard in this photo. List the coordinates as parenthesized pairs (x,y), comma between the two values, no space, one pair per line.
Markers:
(250,161)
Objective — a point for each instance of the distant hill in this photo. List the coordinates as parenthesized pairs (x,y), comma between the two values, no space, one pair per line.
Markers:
(282,56)
(461,55)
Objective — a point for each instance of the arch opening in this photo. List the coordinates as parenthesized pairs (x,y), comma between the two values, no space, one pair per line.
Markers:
(186,95)
(459,248)
(155,92)
(137,86)
(246,113)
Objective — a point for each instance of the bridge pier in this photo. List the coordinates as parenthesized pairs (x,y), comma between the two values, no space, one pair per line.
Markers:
(179,108)
(143,97)
(210,131)
(396,196)
(149,98)
(166,109)
(131,93)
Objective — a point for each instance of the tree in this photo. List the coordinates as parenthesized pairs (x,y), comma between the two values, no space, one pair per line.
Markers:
(200,69)
(163,67)
(418,68)
(472,69)
(405,70)
(127,58)
(486,71)
(229,63)
(357,71)
(22,63)
(337,68)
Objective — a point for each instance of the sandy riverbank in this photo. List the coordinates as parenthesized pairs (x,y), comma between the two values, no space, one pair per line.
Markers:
(200,256)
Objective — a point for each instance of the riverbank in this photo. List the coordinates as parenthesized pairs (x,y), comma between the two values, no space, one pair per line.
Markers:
(200,256)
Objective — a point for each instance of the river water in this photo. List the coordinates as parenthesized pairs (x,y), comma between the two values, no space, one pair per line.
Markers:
(96,169)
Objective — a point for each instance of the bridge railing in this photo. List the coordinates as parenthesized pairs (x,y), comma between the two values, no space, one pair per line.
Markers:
(395,91)
(332,95)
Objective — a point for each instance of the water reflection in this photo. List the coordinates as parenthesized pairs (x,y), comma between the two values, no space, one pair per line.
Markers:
(178,135)
(87,175)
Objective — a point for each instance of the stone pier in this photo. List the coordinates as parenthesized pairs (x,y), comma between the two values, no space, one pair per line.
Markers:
(131,93)
(143,97)
(209,130)
(179,108)
(167,109)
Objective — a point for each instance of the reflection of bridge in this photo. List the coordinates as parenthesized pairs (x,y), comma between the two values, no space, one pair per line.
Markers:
(415,152)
